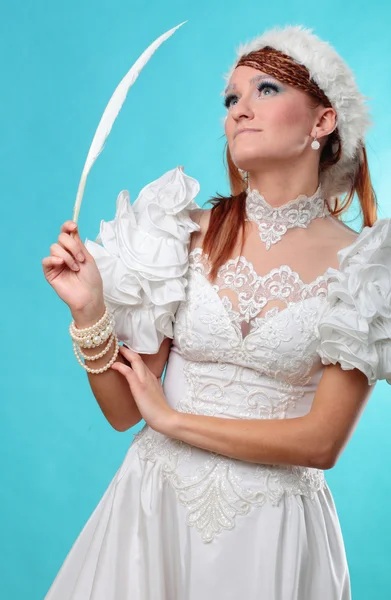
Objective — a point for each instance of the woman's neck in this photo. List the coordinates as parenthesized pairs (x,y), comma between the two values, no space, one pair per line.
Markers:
(284,184)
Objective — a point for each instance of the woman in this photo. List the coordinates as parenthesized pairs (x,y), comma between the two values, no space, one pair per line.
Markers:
(274,320)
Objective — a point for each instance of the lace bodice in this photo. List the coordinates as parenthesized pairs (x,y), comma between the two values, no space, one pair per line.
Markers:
(253,292)
(250,345)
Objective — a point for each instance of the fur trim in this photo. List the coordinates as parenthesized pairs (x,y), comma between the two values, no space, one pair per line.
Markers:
(337,81)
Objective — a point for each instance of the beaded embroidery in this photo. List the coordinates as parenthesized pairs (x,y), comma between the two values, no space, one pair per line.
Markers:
(216,494)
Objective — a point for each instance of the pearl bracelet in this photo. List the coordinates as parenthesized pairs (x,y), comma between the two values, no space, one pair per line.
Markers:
(102,369)
(96,338)
(97,324)
(83,334)
(95,356)
(93,336)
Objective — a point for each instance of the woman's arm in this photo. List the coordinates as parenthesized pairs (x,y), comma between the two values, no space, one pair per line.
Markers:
(314,440)
(110,388)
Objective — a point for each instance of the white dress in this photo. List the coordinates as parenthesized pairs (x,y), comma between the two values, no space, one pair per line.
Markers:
(181,523)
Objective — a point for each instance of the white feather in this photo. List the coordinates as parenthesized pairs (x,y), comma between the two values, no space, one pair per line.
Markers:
(111,112)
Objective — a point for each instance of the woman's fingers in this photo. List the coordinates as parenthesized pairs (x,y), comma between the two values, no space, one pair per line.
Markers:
(73,242)
(52,261)
(72,245)
(59,251)
(137,363)
(51,264)
(68,226)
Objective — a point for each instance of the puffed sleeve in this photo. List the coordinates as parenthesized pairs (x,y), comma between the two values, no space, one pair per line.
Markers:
(354,326)
(142,256)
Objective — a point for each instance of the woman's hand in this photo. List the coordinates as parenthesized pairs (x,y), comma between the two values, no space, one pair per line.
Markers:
(72,272)
(147,391)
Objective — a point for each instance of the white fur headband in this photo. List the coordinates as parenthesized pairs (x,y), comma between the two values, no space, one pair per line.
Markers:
(337,81)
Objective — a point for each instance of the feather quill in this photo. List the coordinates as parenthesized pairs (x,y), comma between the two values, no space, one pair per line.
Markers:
(111,112)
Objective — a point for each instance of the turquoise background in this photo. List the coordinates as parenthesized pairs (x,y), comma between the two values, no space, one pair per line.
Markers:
(61,61)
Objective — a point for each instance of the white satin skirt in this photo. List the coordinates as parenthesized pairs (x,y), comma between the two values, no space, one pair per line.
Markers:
(136,545)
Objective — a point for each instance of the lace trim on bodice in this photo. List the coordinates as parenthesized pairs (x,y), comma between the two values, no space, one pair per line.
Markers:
(255,291)
(274,222)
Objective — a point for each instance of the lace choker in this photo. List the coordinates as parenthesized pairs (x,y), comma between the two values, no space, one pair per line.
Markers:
(274,222)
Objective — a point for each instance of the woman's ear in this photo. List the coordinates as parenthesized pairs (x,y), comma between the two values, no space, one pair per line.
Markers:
(326,122)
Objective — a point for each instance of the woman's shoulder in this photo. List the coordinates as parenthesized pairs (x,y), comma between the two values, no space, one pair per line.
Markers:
(338,232)
(201,216)
(365,242)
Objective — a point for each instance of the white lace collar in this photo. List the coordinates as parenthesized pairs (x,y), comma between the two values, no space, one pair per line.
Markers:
(274,222)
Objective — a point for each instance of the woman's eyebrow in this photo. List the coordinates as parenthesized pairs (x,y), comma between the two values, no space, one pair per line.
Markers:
(232,86)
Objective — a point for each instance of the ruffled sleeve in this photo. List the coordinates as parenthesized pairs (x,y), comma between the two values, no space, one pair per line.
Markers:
(142,256)
(354,326)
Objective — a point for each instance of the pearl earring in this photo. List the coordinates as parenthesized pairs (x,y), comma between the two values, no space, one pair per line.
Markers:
(315,144)
(243,173)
